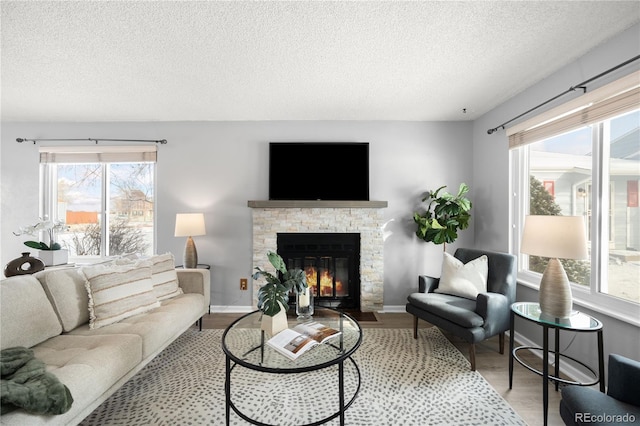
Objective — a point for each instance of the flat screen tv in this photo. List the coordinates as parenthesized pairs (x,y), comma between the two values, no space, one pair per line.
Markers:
(319,171)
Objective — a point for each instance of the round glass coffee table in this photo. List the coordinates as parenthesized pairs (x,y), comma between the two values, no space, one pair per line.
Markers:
(264,387)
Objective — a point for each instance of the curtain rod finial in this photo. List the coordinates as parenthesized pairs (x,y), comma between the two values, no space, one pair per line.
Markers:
(490,131)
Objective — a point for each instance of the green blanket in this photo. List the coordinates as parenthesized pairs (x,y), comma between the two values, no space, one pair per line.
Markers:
(26,384)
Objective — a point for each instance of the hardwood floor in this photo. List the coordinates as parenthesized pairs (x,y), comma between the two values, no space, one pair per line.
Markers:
(526,395)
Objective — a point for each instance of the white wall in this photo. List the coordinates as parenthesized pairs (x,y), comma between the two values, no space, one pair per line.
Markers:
(491,181)
(216,167)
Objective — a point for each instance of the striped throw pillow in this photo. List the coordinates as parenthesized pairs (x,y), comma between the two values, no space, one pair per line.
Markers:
(164,276)
(118,292)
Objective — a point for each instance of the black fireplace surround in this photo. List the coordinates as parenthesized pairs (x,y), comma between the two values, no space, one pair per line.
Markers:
(331,262)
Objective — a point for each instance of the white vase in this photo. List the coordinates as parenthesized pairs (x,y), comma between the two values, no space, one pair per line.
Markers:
(54,257)
(275,324)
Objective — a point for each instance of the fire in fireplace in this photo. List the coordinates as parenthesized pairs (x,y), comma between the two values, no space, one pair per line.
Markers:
(331,262)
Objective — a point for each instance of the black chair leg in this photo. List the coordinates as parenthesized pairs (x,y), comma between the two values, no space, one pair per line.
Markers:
(472,356)
(501,343)
(415,327)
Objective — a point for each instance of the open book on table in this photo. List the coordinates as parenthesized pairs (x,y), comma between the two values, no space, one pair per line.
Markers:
(293,342)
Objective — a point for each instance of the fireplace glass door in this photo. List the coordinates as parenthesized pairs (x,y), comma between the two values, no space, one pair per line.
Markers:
(331,263)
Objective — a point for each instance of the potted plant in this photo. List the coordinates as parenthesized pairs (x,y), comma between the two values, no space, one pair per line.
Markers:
(51,253)
(274,295)
(444,216)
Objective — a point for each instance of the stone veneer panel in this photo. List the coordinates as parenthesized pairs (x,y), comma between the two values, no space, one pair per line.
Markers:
(268,222)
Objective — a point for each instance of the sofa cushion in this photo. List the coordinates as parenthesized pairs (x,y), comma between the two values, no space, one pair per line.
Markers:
(155,328)
(453,308)
(118,292)
(68,295)
(164,277)
(463,279)
(88,366)
(27,317)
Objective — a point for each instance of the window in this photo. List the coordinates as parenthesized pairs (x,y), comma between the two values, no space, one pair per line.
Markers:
(587,164)
(105,195)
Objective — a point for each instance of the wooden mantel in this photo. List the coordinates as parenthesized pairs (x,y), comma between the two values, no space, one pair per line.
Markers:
(315,204)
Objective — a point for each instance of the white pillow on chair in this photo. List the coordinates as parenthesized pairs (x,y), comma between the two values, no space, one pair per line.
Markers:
(464,280)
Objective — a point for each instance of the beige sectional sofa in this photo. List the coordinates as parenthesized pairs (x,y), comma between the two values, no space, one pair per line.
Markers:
(48,313)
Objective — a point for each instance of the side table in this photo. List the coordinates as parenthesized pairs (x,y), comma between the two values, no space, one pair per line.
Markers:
(577,322)
(198,266)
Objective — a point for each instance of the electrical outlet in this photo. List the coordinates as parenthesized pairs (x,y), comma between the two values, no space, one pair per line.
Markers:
(243,283)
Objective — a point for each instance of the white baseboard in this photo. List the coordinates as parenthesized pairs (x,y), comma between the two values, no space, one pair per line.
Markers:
(220,309)
(569,370)
(387,309)
(393,309)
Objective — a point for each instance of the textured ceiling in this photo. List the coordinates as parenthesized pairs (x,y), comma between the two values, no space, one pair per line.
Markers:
(320,60)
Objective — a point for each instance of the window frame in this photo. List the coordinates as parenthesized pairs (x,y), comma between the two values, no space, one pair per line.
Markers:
(590,297)
(48,188)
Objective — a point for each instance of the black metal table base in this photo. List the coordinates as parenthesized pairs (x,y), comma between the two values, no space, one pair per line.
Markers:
(341,397)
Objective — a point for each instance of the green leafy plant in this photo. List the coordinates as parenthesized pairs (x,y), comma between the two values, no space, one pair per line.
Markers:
(276,289)
(444,216)
(49,227)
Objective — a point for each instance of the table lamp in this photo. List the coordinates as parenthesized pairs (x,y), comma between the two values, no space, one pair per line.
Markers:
(555,237)
(190,225)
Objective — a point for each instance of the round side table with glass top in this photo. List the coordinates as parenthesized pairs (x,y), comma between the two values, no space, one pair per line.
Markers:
(324,381)
(578,322)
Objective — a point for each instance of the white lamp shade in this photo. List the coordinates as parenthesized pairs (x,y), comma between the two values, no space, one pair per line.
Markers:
(561,237)
(189,225)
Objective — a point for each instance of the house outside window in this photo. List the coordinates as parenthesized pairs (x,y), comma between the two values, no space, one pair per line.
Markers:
(591,169)
(106,197)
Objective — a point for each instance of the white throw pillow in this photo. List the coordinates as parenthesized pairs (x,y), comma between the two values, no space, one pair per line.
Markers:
(464,280)
(164,276)
(119,291)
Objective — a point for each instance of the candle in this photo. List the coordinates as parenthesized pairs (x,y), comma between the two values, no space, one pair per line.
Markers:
(303,299)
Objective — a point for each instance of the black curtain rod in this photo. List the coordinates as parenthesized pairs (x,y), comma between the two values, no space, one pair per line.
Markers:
(161,141)
(571,89)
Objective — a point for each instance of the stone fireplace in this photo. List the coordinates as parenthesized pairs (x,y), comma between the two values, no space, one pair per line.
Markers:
(315,217)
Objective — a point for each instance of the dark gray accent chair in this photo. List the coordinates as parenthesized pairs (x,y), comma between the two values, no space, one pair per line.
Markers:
(622,397)
(471,320)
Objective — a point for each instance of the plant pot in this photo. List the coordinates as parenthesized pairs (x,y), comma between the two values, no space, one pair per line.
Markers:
(275,324)
(54,257)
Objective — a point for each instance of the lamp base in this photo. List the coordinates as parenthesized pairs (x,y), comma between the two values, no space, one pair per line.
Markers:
(190,257)
(555,291)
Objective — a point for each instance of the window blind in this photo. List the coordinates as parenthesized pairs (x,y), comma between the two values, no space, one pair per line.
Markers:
(98,154)
(606,102)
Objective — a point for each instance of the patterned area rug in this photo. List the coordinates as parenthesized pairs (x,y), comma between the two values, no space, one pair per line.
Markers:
(404,382)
